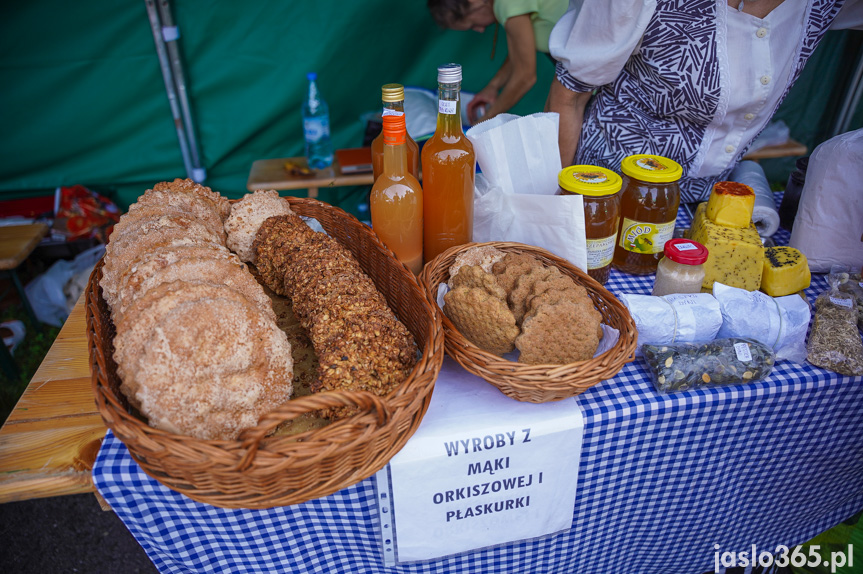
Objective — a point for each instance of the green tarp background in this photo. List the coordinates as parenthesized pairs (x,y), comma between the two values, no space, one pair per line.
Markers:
(83,101)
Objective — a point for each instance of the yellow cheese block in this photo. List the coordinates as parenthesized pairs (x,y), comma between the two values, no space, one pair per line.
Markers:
(786,271)
(731,204)
(736,255)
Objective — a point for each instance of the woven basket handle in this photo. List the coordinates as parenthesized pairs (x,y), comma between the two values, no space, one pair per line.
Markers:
(363,400)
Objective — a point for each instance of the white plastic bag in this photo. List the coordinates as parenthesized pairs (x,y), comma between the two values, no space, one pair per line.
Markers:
(779,322)
(515,198)
(828,228)
(679,318)
(47,292)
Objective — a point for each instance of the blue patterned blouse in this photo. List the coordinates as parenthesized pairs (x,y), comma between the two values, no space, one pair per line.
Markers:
(669,90)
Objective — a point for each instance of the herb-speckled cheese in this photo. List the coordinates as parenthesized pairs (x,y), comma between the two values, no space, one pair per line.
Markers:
(736,255)
(786,271)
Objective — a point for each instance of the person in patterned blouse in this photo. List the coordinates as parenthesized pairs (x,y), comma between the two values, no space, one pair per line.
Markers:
(692,80)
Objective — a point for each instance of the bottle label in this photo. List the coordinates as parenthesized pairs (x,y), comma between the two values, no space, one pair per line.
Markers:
(389,112)
(447,107)
(600,252)
(316,129)
(641,237)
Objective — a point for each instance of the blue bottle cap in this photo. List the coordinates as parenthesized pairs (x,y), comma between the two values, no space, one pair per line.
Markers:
(312,76)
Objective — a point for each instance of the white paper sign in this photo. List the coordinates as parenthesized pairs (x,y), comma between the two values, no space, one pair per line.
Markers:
(481,470)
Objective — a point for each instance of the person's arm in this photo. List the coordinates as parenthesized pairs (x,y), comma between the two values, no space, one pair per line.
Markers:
(521,46)
(569,106)
(488,94)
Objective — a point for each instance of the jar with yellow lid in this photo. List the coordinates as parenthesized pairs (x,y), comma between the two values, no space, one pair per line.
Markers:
(648,209)
(600,190)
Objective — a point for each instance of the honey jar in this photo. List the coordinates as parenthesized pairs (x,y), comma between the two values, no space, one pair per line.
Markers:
(600,190)
(648,210)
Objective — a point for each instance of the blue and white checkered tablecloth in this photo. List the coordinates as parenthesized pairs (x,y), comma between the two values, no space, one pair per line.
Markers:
(662,480)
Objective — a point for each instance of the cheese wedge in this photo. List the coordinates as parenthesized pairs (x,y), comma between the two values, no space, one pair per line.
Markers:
(731,204)
(786,271)
(736,255)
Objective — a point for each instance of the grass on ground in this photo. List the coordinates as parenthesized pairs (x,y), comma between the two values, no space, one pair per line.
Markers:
(28,356)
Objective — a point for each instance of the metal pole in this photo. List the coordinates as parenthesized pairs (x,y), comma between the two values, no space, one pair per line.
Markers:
(156,28)
(849,103)
(170,35)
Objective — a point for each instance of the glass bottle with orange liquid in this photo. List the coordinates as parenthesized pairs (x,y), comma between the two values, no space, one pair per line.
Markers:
(448,166)
(393,96)
(396,200)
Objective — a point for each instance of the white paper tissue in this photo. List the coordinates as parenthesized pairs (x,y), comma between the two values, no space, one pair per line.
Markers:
(515,197)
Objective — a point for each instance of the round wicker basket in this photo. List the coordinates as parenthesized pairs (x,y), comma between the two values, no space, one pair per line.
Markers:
(537,383)
(259,471)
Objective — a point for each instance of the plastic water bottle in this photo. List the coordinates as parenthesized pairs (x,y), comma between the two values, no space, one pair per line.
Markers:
(316,126)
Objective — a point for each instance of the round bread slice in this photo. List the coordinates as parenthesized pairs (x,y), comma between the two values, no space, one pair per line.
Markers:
(562,333)
(521,291)
(484,256)
(195,205)
(118,261)
(484,319)
(220,204)
(207,269)
(246,218)
(212,367)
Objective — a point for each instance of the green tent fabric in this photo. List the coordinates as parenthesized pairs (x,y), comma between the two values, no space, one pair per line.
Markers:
(83,100)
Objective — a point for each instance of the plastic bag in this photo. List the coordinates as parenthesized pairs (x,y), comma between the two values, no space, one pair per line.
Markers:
(719,362)
(516,193)
(851,283)
(680,318)
(828,228)
(780,322)
(47,293)
(834,342)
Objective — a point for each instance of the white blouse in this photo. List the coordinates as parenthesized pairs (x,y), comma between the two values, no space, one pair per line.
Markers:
(594,40)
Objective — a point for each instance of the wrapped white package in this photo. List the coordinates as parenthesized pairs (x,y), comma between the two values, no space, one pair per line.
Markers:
(779,322)
(765,215)
(828,228)
(515,197)
(680,318)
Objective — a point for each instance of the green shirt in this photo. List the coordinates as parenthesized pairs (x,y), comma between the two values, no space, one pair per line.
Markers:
(544,14)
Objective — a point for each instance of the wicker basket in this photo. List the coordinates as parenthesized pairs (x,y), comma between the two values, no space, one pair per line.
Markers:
(261,472)
(537,383)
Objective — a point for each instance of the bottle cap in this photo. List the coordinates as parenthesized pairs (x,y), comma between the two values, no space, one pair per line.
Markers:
(685,251)
(449,74)
(394,130)
(651,168)
(392,93)
(311,76)
(589,180)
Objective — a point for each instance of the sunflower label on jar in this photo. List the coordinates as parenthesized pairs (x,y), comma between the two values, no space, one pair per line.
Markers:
(643,237)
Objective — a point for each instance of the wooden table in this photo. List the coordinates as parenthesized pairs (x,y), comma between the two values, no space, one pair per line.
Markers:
(17,242)
(49,443)
(271,174)
(791,148)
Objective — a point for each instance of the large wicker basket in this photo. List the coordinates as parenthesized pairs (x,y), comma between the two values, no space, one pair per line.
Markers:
(261,472)
(537,383)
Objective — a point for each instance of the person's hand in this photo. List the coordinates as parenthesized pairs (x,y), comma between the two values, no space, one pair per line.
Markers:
(481,100)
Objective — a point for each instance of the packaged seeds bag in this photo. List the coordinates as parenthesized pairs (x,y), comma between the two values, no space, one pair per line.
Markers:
(834,342)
